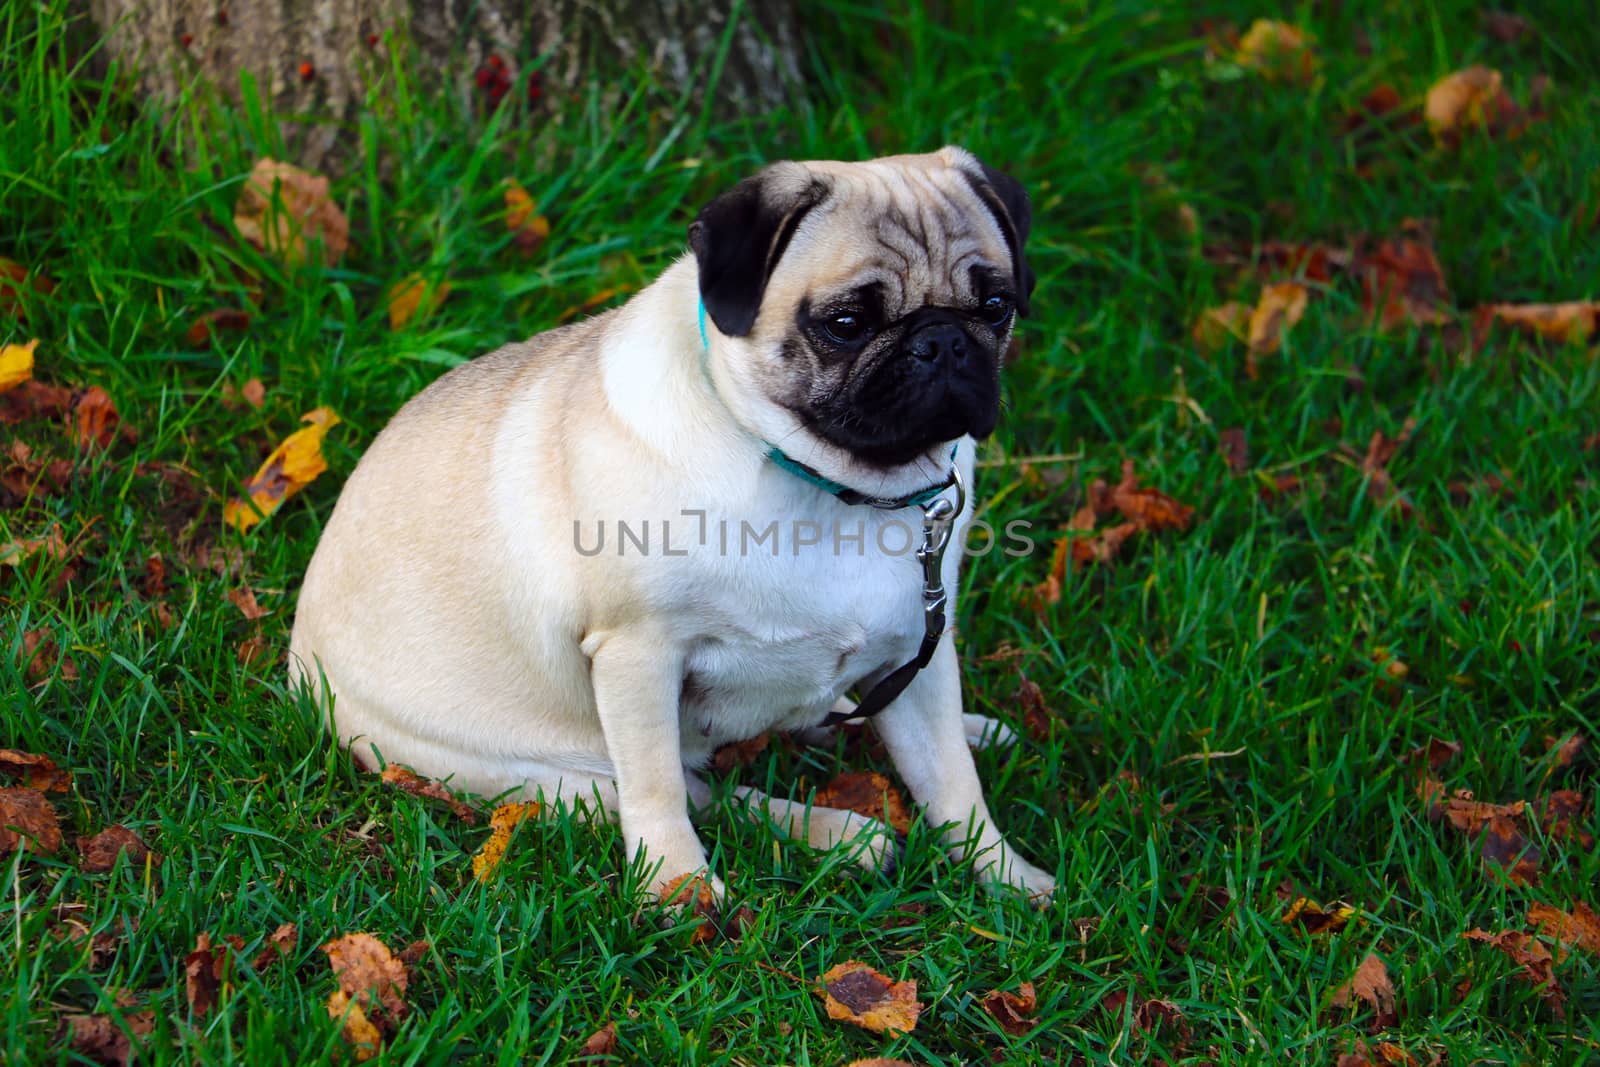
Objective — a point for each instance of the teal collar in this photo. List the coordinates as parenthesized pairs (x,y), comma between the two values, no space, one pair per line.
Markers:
(843,492)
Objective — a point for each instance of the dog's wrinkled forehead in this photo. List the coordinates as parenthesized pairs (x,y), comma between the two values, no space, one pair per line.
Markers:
(914,230)
(916,226)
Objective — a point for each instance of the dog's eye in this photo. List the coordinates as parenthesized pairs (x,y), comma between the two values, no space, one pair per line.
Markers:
(846,328)
(997,309)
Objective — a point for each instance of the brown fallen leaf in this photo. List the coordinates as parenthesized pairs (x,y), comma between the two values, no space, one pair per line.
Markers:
(95,420)
(866,793)
(1147,509)
(1235,450)
(1470,99)
(879,1061)
(1565,749)
(855,993)
(1381,448)
(1278,52)
(528,228)
(1314,919)
(1037,720)
(52,546)
(1563,812)
(409,781)
(33,400)
(16,364)
(502,821)
(205,328)
(100,852)
(1402,282)
(1281,306)
(1154,1017)
(41,655)
(371,977)
(1219,327)
(282,210)
(36,772)
(13,278)
(413,953)
(244,598)
(280,943)
(291,467)
(254,651)
(414,297)
(1013,1011)
(1568,323)
(739,753)
(205,971)
(1381,1054)
(1370,986)
(1437,754)
(691,893)
(105,1038)
(1579,927)
(603,1042)
(26,818)
(1530,954)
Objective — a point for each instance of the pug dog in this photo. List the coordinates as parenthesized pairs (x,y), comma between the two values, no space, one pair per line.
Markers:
(573,568)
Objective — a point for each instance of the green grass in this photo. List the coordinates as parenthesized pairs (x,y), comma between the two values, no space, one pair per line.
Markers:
(1249,637)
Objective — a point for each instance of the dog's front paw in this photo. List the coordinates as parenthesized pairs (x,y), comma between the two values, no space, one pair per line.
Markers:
(1010,871)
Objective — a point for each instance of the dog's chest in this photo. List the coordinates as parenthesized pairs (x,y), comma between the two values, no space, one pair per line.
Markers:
(775,640)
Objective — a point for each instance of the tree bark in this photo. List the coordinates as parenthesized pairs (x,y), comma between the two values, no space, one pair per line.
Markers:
(314,59)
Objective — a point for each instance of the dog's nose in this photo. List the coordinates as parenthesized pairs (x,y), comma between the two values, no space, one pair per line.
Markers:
(939,341)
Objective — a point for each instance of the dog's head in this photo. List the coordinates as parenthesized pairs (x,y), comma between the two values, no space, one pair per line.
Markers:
(862,309)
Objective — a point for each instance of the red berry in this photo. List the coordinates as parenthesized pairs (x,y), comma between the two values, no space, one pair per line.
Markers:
(186,40)
(372,40)
(307,72)
(222,16)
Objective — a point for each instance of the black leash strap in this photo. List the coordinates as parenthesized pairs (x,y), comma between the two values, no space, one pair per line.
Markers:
(938,522)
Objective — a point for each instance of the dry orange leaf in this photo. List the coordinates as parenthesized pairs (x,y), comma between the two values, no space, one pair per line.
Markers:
(283,209)
(36,772)
(1370,985)
(855,993)
(293,465)
(1469,99)
(866,793)
(51,546)
(1580,927)
(1277,51)
(603,1042)
(94,419)
(1402,281)
(1148,509)
(504,820)
(1013,1011)
(1280,307)
(16,364)
(27,817)
(1219,327)
(1562,323)
(371,976)
(412,296)
(205,970)
(529,229)
(593,302)
(1529,953)
(409,781)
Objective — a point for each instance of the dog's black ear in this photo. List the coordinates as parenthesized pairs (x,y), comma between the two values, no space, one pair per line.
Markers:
(1008,202)
(739,237)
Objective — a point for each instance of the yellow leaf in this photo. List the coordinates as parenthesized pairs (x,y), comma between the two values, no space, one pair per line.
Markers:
(1279,308)
(406,297)
(363,1038)
(501,823)
(293,465)
(527,226)
(16,364)
(1474,98)
(1278,52)
(1573,321)
(1218,326)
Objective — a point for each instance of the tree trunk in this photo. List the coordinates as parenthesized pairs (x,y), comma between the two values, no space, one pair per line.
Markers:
(314,58)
